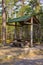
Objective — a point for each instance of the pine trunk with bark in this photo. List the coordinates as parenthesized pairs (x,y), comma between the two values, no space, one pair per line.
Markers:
(3,23)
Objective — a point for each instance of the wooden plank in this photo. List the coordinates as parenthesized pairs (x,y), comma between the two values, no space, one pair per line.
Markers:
(20,25)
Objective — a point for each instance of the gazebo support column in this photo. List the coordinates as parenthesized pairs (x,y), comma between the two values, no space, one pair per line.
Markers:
(15,30)
(31,31)
(39,33)
(20,33)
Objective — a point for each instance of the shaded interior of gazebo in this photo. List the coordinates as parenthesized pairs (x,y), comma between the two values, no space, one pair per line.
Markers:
(27,29)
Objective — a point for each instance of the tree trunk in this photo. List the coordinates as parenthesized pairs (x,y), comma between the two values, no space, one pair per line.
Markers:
(22,6)
(3,23)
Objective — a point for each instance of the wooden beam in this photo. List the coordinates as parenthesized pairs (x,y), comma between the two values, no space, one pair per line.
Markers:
(36,20)
(20,25)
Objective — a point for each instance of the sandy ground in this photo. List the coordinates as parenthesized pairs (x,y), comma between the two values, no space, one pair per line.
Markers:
(23,62)
(21,56)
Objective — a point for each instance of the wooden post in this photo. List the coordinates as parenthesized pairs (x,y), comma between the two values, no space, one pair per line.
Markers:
(15,30)
(3,23)
(39,33)
(20,34)
(31,31)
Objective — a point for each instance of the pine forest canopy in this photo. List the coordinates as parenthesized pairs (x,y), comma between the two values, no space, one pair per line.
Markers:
(16,5)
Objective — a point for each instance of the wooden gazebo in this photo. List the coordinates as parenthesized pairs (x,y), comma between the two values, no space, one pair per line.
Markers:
(26,21)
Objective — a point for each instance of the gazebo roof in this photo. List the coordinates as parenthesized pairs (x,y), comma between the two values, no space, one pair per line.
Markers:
(24,18)
(19,19)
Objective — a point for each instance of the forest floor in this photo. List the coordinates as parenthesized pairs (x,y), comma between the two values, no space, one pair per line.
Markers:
(21,56)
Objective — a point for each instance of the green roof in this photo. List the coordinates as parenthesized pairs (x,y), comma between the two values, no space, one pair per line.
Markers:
(19,19)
